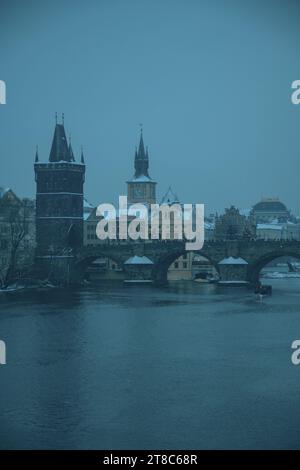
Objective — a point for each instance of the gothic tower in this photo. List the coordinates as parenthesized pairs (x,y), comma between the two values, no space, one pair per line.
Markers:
(141,188)
(59,202)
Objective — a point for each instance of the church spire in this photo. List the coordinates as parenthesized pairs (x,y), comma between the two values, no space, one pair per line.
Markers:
(59,149)
(141,151)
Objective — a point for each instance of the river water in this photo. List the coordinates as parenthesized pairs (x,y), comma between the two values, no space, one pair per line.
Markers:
(181,366)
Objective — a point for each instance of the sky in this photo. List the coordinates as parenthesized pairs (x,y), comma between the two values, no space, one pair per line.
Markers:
(210,81)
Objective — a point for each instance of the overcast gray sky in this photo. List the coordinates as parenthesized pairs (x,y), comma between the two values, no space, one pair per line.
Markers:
(210,81)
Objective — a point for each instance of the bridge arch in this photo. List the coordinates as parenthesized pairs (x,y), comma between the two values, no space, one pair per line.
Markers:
(82,264)
(165,261)
(255,268)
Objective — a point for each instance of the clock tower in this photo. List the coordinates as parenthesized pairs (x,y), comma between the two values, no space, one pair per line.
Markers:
(141,188)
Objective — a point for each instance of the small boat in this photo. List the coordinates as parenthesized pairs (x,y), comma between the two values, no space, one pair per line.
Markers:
(261,289)
(201,277)
(293,268)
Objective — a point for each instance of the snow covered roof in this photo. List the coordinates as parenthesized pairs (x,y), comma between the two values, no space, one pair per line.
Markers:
(270,205)
(3,191)
(141,179)
(232,260)
(291,223)
(86,204)
(86,215)
(65,162)
(269,227)
(138,260)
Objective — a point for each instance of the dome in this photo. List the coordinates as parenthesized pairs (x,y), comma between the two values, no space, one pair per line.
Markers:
(270,205)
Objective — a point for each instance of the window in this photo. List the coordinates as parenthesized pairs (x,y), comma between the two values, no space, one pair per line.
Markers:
(184,265)
(176,265)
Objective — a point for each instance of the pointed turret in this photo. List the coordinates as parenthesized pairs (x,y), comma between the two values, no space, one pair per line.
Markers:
(82,156)
(170,197)
(141,153)
(71,153)
(59,149)
(36,155)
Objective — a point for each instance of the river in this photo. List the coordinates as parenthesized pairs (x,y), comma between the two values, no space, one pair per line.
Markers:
(120,367)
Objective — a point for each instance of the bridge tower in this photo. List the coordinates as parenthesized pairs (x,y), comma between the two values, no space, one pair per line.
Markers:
(59,208)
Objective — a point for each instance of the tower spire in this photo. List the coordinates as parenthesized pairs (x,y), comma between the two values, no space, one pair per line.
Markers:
(59,149)
(141,151)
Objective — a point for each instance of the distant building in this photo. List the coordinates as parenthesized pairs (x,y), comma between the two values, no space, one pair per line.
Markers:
(141,188)
(101,267)
(269,209)
(181,269)
(278,231)
(186,266)
(89,228)
(274,221)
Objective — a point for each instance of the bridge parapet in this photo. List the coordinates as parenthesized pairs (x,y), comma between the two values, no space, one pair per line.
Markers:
(256,253)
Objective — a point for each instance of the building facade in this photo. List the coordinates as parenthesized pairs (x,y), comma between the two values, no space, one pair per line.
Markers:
(269,209)
(233,226)
(278,231)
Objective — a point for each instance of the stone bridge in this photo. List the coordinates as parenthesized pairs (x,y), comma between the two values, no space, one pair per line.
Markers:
(255,253)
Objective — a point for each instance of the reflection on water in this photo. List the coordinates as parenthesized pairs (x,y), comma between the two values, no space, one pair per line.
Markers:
(181,366)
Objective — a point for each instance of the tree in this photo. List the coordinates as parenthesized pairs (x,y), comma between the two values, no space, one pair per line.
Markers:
(17,221)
